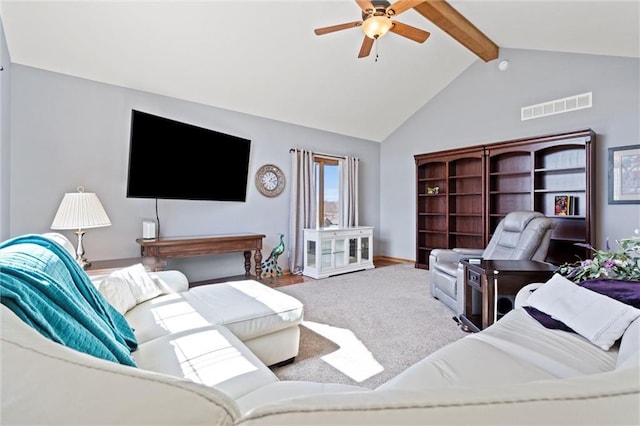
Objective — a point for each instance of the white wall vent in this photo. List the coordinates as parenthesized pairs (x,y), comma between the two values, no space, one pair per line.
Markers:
(557,106)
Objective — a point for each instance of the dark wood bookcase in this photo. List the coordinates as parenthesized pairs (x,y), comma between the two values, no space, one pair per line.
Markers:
(479,185)
(454,215)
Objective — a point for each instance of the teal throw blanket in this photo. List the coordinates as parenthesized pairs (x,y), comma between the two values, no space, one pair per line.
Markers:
(45,286)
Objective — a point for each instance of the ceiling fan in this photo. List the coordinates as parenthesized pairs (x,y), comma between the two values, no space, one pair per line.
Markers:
(376,22)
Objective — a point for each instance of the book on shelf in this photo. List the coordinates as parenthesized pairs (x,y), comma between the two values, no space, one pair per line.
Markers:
(565,205)
(573,205)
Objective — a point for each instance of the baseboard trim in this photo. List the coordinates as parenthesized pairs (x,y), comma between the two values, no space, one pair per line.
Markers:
(391,259)
(386,259)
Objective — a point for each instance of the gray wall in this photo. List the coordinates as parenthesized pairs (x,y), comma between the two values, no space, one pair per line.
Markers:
(5,133)
(483,105)
(68,131)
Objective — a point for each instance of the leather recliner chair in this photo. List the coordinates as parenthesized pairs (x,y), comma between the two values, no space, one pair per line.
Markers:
(520,235)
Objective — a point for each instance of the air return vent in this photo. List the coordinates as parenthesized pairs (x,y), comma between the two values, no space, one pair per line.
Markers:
(558,106)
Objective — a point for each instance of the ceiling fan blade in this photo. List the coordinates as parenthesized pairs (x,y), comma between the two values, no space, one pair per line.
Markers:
(400,6)
(410,32)
(457,26)
(366,5)
(365,49)
(326,30)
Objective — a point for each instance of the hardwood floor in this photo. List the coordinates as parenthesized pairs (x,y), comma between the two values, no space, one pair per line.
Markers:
(288,279)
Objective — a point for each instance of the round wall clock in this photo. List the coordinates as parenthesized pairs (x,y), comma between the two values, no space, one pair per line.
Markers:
(270,180)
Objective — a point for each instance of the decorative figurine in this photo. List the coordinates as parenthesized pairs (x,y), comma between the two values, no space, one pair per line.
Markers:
(270,267)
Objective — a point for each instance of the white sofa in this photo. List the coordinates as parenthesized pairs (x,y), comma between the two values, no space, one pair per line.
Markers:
(248,314)
(514,372)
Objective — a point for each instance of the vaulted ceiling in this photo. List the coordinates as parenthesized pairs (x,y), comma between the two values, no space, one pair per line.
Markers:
(263,58)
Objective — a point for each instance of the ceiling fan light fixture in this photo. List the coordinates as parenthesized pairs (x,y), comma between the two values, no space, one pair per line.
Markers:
(376,26)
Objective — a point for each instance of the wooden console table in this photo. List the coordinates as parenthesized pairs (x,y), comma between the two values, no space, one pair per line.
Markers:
(100,267)
(486,280)
(205,246)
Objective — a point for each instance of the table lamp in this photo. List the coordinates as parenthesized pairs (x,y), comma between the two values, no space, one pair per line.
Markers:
(80,210)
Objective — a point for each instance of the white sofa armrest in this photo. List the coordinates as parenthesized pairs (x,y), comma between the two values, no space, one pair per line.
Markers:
(65,386)
(523,294)
(171,281)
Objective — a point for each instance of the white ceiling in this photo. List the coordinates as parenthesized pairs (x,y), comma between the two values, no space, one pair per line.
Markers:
(262,57)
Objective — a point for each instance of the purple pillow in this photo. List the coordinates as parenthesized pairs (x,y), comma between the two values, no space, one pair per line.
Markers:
(623,291)
(546,320)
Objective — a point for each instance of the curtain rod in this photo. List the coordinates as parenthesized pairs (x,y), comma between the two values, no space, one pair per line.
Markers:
(320,154)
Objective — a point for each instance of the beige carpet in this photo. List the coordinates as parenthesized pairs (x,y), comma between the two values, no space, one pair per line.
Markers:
(365,327)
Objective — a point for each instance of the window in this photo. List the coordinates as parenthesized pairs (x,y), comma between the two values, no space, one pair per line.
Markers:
(327,177)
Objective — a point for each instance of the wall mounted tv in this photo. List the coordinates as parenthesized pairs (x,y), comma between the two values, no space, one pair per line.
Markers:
(173,160)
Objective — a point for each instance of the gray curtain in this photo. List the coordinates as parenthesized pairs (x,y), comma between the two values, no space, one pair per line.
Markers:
(302,213)
(349,191)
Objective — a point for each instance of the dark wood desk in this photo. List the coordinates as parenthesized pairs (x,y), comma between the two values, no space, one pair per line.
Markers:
(485,280)
(204,246)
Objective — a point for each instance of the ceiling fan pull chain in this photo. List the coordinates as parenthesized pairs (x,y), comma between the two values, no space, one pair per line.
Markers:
(377,41)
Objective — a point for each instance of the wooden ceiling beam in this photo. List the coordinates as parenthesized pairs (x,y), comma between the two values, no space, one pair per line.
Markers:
(448,19)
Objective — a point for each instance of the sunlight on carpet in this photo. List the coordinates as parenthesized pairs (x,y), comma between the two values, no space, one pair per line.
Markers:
(352,358)
(364,328)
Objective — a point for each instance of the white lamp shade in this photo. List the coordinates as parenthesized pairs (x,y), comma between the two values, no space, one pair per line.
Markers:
(80,210)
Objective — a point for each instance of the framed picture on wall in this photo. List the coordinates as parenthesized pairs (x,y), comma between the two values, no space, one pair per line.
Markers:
(624,175)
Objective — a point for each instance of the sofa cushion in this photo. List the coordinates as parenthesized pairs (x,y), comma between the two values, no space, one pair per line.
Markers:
(117,292)
(560,353)
(515,349)
(600,319)
(209,355)
(455,365)
(166,314)
(624,291)
(140,283)
(248,308)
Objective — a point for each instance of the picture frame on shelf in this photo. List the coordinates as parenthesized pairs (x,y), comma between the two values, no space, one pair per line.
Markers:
(562,205)
(624,175)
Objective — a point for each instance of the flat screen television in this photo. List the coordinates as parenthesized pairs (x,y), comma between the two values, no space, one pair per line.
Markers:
(173,160)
